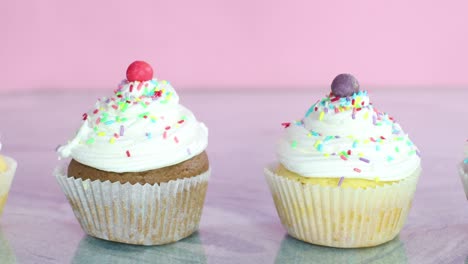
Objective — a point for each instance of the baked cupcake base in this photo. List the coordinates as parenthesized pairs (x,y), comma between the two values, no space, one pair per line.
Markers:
(185,169)
(342,217)
(6,178)
(142,214)
(344,183)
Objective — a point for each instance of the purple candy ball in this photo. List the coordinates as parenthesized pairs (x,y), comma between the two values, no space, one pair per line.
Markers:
(344,85)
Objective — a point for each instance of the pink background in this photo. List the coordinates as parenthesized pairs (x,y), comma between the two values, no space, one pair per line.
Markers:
(233,44)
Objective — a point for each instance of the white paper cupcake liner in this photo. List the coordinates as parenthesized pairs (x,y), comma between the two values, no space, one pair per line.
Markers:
(342,217)
(136,214)
(464,179)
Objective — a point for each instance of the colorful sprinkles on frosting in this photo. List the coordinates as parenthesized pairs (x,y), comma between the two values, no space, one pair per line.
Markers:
(340,181)
(353,105)
(111,120)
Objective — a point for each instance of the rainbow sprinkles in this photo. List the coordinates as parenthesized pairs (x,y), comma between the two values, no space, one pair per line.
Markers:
(112,115)
(142,125)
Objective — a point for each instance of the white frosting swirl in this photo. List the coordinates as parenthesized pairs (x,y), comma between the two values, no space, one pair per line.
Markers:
(141,127)
(347,137)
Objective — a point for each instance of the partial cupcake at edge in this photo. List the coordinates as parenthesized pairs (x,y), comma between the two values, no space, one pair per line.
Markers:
(139,171)
(346,172)
(7,172)
(464,170)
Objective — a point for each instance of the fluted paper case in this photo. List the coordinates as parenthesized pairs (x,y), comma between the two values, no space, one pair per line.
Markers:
(342,217)
(136,214)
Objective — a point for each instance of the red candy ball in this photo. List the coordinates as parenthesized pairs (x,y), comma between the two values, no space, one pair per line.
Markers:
(139,71)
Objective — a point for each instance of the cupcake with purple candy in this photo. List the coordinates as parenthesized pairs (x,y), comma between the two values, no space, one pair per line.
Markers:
(346,172)
(464,170)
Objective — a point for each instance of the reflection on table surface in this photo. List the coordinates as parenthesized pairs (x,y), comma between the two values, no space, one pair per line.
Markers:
(93,250)
(295,252)
(7,255)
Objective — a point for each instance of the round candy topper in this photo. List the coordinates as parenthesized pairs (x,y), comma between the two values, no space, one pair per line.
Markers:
(344,85)
(139,71)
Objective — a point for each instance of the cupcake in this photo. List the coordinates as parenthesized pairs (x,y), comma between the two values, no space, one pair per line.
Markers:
(346,172)
(464,170)
(7,172)
(138,172)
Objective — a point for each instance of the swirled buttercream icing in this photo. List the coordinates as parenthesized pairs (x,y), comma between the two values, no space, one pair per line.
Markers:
(347,137)
(140,127)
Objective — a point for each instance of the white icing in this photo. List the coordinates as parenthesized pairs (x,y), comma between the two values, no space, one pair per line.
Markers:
(336,139)
(157,130)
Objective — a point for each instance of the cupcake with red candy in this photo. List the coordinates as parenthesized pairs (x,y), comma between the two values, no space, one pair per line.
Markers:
(346,172)
(138,170)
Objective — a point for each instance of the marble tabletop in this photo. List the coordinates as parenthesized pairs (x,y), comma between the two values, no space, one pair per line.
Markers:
(239,222)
